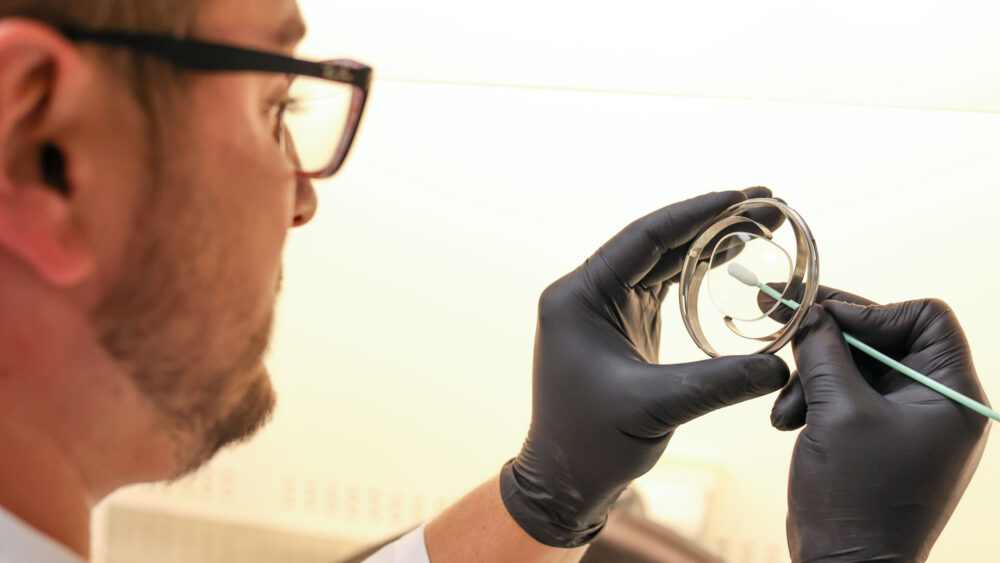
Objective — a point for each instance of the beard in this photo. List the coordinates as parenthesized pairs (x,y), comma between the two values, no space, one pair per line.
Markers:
(207,403)
(248,415)
(183,330)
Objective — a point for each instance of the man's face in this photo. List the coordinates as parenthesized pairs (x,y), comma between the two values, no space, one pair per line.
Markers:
(189,309)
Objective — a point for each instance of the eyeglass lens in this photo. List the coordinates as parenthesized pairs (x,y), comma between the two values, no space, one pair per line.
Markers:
(317,120)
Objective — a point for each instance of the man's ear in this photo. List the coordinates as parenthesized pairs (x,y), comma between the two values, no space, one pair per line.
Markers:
(41,78)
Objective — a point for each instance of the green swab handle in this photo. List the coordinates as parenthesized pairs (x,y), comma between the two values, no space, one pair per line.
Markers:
(905,370)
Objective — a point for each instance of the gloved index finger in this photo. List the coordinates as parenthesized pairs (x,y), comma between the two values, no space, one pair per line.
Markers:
(826,368)
(669,266)
(783,314)
(633,252)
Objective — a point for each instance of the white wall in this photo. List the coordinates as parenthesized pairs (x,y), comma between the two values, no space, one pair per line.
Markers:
(504,143)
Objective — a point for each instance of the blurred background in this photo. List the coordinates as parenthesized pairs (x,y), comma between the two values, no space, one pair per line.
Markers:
(502,145)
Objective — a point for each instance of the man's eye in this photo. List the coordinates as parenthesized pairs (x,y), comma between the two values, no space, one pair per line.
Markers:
(276,113)
(295,105)
(281,107)
(289,104)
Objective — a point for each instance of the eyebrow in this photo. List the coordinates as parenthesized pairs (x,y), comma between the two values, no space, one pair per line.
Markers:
(291,31)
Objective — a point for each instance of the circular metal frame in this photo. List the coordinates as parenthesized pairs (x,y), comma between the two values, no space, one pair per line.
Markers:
(804,279)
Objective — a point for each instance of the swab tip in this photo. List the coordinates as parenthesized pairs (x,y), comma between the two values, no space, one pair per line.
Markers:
(740,272)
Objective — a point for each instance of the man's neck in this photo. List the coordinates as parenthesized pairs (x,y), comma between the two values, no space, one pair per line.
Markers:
(40,486)
(74,427)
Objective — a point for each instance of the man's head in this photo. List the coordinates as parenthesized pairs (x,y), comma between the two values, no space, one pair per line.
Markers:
(150,205)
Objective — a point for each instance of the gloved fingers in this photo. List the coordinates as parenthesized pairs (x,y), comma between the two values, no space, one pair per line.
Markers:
(630,255)
(923,334)
(866,364)
(897,327)
(669,267)
(661,291)
(681,392)
(783,314)
(789,410)
(826,368)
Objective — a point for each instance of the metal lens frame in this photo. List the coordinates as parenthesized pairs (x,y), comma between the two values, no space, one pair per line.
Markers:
(802,285)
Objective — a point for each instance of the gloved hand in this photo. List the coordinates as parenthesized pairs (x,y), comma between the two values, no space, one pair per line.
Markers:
(883,460)
(603,409)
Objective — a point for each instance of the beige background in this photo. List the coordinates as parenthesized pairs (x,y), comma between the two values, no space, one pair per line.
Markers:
(504,142)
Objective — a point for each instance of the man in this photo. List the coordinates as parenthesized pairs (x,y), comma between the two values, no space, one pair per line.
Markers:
(148,182)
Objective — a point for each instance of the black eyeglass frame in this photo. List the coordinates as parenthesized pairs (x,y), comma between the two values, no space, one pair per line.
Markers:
(206,56)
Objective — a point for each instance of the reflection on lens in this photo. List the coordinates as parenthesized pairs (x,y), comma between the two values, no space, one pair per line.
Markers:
(768,261)
(317,119)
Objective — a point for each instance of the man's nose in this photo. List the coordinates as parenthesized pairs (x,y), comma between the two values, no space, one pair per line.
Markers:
(305,194)
(305,201)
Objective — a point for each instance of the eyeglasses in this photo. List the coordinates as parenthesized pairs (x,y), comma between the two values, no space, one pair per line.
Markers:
(321,113)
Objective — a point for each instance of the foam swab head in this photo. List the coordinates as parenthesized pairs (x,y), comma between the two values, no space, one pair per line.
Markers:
(740,272)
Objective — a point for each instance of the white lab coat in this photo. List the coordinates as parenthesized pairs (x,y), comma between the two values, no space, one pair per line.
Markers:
(407,549)
(20,543)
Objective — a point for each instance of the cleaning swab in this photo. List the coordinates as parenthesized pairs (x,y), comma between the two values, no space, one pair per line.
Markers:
(747,277)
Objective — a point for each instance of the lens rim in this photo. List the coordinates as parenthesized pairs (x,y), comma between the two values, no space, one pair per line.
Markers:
(319,122)
(805,273)
(359,100)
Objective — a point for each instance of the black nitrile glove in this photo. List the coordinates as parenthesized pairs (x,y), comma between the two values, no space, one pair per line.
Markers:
(603,409)
(883,460)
